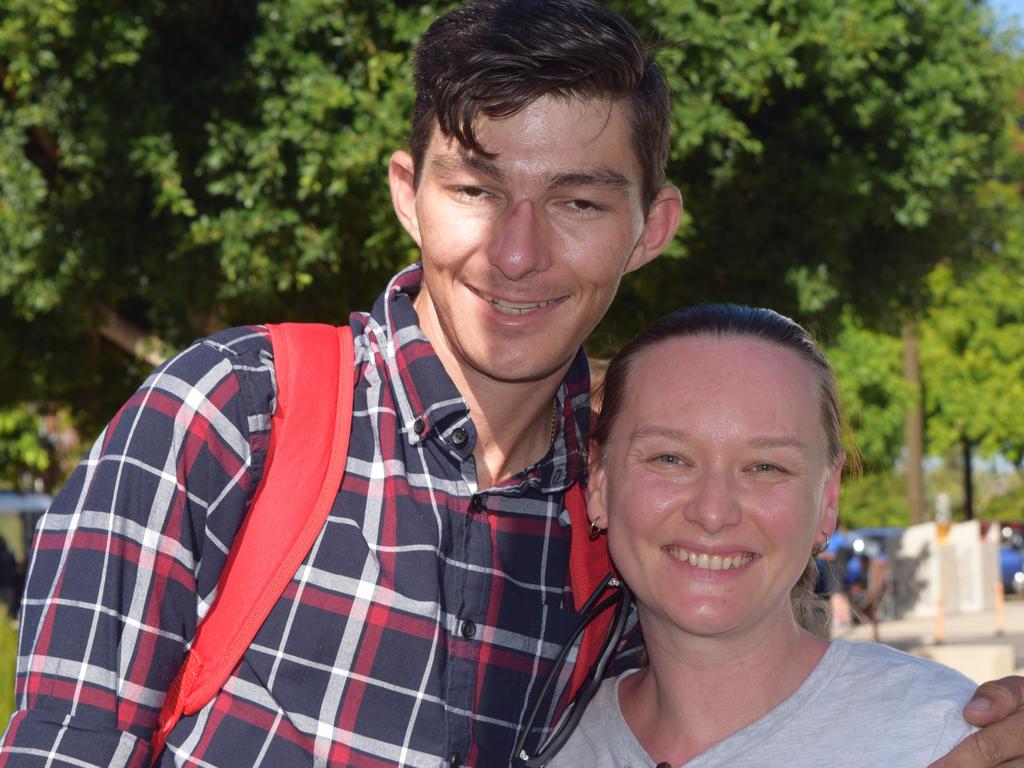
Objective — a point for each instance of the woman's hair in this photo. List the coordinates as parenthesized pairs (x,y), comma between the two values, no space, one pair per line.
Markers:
(727,321)
(495,57)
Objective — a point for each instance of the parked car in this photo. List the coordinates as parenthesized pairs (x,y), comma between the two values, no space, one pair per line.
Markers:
(868,543)
(1011,556)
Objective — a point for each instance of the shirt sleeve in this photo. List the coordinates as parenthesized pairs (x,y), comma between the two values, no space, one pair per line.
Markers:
(126,560)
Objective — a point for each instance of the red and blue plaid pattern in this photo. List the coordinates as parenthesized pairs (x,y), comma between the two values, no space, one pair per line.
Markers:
(416,632)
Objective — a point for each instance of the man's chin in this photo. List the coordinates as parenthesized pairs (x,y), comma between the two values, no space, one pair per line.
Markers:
(519,371)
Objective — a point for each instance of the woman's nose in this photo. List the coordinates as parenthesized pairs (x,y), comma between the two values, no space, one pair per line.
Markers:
(714,505)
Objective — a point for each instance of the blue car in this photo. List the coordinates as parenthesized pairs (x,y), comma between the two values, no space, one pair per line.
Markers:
(1011,557)
(870,543)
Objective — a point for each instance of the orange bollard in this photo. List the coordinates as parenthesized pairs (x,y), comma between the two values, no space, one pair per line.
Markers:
(1000,608)
(940,618)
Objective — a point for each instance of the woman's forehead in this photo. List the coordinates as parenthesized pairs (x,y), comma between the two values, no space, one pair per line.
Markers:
(760,381)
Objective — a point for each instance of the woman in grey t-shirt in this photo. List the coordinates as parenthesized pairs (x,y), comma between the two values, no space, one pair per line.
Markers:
(715,468)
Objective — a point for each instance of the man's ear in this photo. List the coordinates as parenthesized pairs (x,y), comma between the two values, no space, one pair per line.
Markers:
(659,227)
(401,175)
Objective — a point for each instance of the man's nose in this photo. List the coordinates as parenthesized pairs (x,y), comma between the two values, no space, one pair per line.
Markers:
(521,243)
(714,506)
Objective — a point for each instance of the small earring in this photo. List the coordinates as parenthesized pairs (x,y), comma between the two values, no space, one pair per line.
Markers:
(817,549)
(595,532)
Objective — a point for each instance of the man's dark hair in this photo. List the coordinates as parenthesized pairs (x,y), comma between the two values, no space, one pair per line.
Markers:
(495,57)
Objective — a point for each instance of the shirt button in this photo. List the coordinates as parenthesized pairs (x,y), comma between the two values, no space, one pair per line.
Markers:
(459,436)
(417,426)
(477,502)
(455,760)
(468,629)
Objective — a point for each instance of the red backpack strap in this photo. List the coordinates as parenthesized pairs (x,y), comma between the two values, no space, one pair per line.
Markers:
(589,563)
(305,463)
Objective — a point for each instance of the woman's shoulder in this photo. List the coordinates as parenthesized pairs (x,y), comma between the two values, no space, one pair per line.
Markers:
(903,675)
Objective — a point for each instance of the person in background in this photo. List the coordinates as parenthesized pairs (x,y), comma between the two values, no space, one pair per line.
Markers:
(715,468)
(832,579)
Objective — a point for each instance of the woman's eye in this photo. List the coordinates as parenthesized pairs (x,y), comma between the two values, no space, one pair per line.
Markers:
(668,458)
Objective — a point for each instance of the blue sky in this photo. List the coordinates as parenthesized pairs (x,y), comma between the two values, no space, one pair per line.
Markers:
(1008,8)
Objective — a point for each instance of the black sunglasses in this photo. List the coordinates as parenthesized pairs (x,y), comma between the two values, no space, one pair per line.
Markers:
(621,599)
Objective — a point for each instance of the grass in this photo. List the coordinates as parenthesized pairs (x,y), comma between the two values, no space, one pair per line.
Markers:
(8,656)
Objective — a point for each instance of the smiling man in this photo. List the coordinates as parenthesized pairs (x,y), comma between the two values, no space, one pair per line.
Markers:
(436,596)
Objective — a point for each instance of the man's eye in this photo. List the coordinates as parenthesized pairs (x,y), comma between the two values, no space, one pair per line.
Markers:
(585,206)
(766,467)
(472,193)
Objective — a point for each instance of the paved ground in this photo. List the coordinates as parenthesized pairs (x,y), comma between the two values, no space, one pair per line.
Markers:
(959,629)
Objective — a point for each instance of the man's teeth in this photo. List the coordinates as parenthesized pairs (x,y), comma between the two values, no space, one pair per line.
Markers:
(709,562)
(518,309)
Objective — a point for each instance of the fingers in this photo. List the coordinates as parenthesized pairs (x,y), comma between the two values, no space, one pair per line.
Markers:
(995,700)
(997,746)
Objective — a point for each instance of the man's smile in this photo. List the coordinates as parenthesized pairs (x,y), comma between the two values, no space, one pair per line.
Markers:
(516,307)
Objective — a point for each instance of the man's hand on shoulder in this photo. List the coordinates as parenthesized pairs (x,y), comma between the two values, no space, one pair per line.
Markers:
(998,709)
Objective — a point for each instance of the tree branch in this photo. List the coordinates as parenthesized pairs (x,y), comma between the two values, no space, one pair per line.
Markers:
(132,339)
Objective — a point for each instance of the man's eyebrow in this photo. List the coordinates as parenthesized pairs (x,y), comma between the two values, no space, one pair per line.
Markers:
(607,178)
(598,177)
(445,165)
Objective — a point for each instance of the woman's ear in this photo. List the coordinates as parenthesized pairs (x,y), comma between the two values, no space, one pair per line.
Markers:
(830,498)
(597,491)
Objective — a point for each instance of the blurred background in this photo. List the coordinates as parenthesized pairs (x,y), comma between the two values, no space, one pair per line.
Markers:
(171,168)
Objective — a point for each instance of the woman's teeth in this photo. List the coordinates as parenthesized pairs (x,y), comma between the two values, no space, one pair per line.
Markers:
(709,562)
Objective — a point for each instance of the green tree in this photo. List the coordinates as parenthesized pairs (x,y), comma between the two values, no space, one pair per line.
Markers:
(167,169)
(829,153)
(973,355)
(170,168)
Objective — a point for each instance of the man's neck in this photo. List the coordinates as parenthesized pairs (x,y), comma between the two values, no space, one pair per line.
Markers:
(514,420)
(514,423)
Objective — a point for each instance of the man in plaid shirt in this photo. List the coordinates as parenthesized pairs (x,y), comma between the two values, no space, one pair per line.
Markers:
(420,625)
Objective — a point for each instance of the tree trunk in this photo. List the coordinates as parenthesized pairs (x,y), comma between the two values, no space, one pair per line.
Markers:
(914,425)
(965,444)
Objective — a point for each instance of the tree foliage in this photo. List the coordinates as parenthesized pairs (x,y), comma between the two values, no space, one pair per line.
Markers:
(170,168)
(829,153)
(186,166)
(973,353)
(875,396)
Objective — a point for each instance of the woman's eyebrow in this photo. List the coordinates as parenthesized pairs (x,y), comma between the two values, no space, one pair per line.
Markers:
(781,442)
(652,432)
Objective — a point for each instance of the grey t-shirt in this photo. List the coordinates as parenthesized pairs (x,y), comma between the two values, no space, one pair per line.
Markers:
(863,706)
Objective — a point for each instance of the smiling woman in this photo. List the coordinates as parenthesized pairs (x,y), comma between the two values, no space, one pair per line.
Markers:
(715,468)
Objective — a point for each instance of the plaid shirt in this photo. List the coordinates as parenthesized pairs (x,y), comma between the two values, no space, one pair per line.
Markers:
(415,633)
